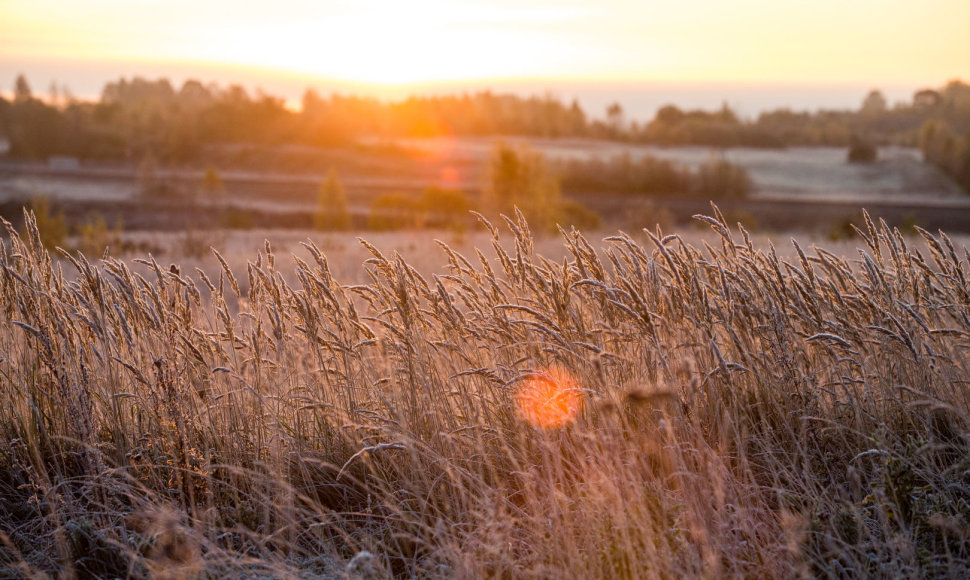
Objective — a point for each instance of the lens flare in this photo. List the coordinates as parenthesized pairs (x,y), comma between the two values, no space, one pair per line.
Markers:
(551,399)
(449,175)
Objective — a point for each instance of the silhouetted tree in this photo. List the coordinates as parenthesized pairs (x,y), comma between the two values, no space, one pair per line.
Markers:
(35,130)
(4,117)
(615,118)
(54,94)
(942,148)
(927,99)
(212,183)
(873,104)
(520,178)
(332,210)
(194,95)
(669,115)
(21,90)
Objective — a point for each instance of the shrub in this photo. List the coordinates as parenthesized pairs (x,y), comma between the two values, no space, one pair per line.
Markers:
(394,211)
(575,214)
(947,151)
(197,243)
(718,178)
(95,237)
(445,208)
(212,184)
(333,212)
(52,226)
(647,215)
(236,218)
(621,174)
(745,218)
(861,151)
(844,228)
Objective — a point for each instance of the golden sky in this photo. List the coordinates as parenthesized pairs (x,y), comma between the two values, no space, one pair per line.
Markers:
(410,42)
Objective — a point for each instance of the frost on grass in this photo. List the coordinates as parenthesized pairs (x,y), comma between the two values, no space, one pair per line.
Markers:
(700,411)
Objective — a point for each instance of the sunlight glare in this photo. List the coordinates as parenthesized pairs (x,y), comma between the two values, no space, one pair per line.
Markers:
(384,44)
(403,46)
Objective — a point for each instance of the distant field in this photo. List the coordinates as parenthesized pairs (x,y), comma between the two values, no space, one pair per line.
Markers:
(800,188)
(899,173)
(821,172)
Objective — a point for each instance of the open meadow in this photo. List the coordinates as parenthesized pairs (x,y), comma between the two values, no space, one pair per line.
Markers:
(705,405)
(511,289)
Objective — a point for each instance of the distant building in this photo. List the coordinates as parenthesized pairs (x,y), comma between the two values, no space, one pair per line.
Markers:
(927,99)
(63,163)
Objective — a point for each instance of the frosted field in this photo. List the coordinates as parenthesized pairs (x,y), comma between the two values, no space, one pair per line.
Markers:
(817,173)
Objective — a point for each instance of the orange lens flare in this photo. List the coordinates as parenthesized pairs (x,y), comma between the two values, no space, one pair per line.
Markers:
(449,175)
(549,400)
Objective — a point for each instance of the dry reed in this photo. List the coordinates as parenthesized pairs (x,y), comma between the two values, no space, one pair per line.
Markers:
(742,415)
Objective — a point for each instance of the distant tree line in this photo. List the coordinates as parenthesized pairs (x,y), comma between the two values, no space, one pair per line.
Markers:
(136,117)
(875,121)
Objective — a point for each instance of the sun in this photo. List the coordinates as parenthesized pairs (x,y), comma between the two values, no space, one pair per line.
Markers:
(392,43)
(409,46)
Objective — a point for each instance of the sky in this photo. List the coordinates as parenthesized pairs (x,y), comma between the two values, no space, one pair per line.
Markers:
(750,53)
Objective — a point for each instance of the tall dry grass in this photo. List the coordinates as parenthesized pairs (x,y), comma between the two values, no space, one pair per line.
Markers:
(742,415)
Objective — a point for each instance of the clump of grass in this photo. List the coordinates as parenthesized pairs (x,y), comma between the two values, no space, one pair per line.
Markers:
(94,236)
(739,414)
(53,226)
